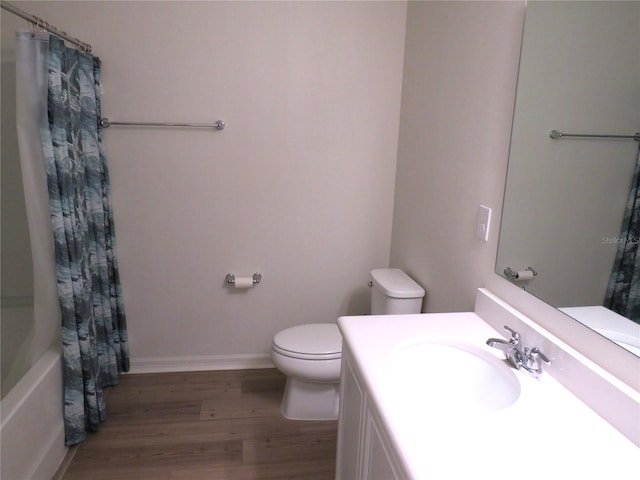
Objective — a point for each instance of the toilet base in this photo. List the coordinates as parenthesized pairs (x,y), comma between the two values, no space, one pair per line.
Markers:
(310,401)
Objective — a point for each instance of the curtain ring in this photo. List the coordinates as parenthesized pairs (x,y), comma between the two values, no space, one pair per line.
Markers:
(41,24)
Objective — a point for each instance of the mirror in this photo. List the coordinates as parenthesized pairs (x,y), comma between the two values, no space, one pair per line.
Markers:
(565,198)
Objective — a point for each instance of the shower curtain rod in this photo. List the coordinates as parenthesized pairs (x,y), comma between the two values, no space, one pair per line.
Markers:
(555,134)
(40,23)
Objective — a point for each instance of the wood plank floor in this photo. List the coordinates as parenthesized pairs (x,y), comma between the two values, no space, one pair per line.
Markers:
(204,425)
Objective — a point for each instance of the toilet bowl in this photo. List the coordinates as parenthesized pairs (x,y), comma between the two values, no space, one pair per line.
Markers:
(310,355)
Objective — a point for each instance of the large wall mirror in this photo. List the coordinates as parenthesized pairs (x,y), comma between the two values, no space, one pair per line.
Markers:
(565,198)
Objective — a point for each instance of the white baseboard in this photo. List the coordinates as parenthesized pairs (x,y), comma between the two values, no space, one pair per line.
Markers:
(199,363)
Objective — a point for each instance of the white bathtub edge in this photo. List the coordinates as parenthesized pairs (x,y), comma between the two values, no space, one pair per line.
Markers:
(32,427)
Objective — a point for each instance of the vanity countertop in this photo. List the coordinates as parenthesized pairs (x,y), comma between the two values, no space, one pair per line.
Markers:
(546,433)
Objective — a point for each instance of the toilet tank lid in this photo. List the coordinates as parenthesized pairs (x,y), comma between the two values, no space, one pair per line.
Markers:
(395,283)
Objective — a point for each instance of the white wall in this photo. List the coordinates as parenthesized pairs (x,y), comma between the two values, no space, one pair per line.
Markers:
(460,72)
(312,106)
(566,198)
(298,187)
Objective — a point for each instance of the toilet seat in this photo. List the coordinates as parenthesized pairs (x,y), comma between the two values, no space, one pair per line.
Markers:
(315,341)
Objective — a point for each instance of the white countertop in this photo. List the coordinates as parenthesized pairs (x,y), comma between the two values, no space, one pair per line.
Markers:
(547,433)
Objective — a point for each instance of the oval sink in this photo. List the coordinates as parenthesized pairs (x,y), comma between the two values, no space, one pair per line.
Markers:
(448,374)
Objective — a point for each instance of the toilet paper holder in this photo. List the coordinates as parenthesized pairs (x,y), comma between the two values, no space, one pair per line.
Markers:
(517,274)
(231,278)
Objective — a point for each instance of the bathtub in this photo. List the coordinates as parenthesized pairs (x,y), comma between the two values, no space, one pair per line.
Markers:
(612,325)
(32,427)
(17,332)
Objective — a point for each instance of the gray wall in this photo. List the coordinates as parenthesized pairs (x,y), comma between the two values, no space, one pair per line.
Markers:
(298,187)
(302,184)
(460,71)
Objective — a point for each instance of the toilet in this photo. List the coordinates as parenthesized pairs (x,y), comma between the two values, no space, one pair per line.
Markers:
(309,355)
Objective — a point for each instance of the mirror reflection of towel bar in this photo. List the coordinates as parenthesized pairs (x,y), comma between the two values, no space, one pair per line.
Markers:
(555,134)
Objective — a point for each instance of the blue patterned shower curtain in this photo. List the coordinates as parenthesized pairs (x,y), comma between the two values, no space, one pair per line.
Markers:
(623,291)
(94,333)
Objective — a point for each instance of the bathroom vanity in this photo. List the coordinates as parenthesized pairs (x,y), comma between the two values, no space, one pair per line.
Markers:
(364,449)
(423,396)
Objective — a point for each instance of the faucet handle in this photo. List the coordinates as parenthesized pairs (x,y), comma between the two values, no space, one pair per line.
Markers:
(533,361)
(515,336)
(535,354)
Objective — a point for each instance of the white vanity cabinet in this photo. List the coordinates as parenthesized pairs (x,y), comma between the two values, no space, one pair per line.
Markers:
(364,452)
(398,422)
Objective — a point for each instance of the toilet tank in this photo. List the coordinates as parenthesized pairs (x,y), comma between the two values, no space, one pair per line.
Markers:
(393,292)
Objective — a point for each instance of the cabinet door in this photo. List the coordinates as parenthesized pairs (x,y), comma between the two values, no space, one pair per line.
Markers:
(379,460)
(350,424)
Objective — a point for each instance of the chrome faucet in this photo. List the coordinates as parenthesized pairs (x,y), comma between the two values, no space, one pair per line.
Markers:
(511,348)
(530,360)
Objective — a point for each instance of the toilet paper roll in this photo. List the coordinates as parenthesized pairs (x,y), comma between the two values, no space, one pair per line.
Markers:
(524,275)
(243,282)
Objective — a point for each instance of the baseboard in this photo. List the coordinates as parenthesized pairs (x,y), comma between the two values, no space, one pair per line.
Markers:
(66,461)
(199,363)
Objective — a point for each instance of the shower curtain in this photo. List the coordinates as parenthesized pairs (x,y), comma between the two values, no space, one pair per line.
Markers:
(623,291)
(63,91)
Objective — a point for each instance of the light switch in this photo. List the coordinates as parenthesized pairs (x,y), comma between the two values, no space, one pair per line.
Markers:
(484,222)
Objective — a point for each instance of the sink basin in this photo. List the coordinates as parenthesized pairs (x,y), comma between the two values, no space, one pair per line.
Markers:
(444,374)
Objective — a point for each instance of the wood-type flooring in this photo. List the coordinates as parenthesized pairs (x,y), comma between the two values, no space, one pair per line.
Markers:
(203,425)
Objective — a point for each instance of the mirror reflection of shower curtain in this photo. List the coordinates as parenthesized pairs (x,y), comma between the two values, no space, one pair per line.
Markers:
(623,291)
(59,90)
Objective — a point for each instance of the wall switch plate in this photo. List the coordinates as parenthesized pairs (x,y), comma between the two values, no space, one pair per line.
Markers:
(484,222)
